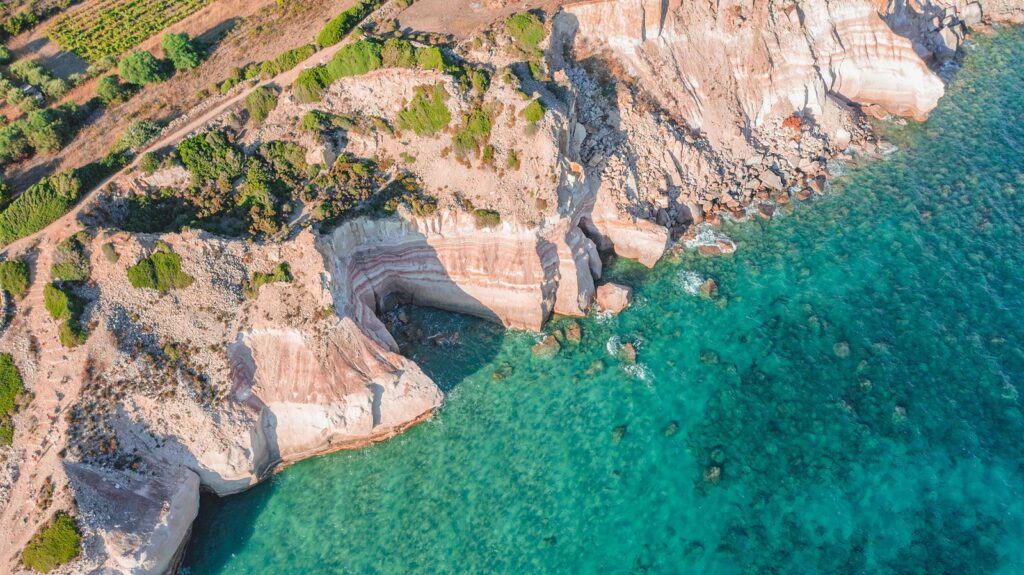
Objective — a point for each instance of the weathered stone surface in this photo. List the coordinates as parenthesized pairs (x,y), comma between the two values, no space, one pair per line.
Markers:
(613,297)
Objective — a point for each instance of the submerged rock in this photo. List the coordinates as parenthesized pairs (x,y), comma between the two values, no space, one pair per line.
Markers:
(618,432)
(573,333)
(841,349)
(709,288)
(628,353)
(547,348)
(502,372)
(713,474)
(671,428)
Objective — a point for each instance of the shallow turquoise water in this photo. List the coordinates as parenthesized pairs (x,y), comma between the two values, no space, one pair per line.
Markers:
(855,382)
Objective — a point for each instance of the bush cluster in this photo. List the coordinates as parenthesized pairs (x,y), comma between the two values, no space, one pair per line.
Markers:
(31,72)
(140,68)
(45,130)
(160,271)
(428,112)
(183,53)
(210,156)
(44,202)
(71,263)
(55,544)
(486,218)
(260,102)
(526,29)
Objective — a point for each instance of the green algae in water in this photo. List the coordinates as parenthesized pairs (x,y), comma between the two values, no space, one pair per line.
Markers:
(848,405)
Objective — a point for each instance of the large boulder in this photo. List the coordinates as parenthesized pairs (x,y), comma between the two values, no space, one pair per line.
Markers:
(613,297)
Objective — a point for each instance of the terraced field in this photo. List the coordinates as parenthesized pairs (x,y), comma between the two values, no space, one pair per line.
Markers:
(110,27)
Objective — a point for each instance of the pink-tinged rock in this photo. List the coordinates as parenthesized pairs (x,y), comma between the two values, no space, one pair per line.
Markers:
(613,297)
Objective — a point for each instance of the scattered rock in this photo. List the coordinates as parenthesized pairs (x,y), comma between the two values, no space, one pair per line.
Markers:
(841,349)
(719,248)
(502,372)
(803,194)
(713,474)
(708,356)
(547,348)
(618,432)
(709,288)
(766,210)
(771,180)
(595,368)
(613,297)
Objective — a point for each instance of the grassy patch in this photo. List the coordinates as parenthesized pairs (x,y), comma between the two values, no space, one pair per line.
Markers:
(53,545)
(66,307)
(42,203)
(526,29)
(281,273)
(534,111)
(160,271)
(428,112)
(14,277)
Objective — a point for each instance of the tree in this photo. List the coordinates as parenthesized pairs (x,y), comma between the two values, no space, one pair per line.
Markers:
(44,131)
(111,91)
(140,68)
(181,51)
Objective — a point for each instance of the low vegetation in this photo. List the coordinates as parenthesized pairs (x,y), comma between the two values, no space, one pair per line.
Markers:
(66,307)
(14,277)
(55,544)
(534,111)
(260,102)
(160,271)
(527,30)
(339,26)
(210,156)
(486,218)
(474,134)
(428,112)
(11,387)
(71,263)
(280,274)
(42,203)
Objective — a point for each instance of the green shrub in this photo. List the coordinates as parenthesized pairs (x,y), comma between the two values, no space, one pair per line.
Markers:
(149,162)
(56,302)
(398,53)
(486,218)
(428,112)
(14,277)
(41,204)
(140,68)
(475,133)
(354,59)
(526,29)
(281,273)
(54,545)
(260,102)
(182,52)
(534,111)
(160,271)
(512,161)
(13,144)
(336,29)
(286,61)
(45,130)
(430,58)
(11,385)
(5,55)
(210,156)
(111,91)
(6,432)
(71,334)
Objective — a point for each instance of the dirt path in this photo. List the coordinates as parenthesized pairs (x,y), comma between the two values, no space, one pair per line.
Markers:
(67,224)
(46,434)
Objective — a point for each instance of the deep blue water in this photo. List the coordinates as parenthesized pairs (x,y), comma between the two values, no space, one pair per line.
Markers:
(847,404)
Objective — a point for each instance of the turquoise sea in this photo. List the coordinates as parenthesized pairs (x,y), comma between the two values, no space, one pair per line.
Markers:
(848,403)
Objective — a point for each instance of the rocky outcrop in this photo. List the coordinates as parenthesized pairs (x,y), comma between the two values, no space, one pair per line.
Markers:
(146,519)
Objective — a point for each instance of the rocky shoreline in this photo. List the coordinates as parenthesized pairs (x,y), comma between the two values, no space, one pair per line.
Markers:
(661,119)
